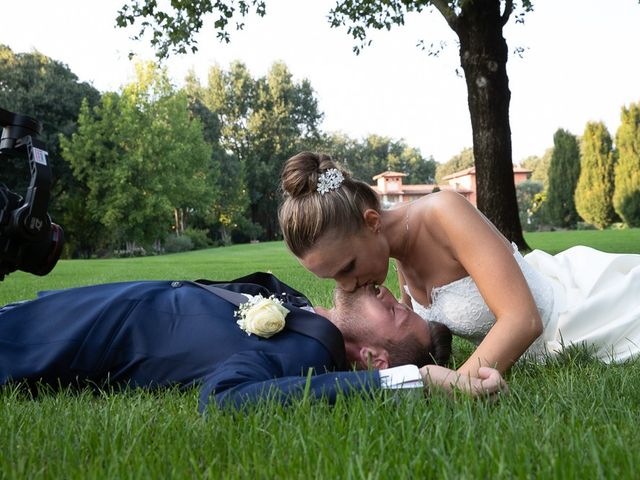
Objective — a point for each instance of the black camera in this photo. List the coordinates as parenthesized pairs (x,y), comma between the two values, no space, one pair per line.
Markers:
(29,241)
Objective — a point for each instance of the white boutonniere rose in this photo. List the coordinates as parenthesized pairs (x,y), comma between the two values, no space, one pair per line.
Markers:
(261,316)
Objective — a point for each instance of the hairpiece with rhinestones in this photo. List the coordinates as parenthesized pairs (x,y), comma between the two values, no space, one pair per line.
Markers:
(330,180)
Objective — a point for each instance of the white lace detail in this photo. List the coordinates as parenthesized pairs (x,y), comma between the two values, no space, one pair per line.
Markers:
(460,306)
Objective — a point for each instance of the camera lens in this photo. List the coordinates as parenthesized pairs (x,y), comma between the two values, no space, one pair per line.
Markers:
(42,256)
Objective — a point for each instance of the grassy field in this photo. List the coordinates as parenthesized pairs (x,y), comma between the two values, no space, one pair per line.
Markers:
(572,418)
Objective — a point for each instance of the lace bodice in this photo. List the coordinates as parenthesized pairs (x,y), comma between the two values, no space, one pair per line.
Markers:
(460,306)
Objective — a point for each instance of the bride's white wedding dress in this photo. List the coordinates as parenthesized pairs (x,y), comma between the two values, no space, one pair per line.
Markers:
(584,296)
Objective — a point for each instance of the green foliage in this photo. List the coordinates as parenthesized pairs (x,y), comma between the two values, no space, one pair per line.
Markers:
(174,243)
(626,197)
(594,192)
(199,238)
(530,200)
(246,231)
(35,85)
(174,29)
(456,163)
(564,171)
(142,160)
(211,106)
(539,167)
(478,26)
(376,154)
(263,122)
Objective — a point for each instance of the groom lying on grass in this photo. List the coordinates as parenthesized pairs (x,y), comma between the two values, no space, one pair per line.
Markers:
(160,333)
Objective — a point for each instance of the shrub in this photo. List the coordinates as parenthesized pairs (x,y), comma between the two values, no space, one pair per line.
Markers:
(175,244)
(199,238)
(247,231)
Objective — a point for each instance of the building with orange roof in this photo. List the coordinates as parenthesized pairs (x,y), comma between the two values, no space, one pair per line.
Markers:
(391,190)
(467,179)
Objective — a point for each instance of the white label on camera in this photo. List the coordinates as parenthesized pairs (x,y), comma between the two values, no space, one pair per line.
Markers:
(40,156)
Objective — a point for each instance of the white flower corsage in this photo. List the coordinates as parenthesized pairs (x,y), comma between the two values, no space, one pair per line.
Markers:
(261,316)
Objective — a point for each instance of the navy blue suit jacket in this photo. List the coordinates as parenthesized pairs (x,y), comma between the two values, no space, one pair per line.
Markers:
(161,333)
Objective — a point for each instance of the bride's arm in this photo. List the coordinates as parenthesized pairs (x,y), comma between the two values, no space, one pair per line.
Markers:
(488,382)
(488,258)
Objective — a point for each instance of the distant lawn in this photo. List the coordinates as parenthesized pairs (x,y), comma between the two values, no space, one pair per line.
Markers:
(573,418)
(217,263)
(238,260)
(615,241)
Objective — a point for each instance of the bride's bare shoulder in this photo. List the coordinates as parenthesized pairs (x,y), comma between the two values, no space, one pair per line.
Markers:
(442,203)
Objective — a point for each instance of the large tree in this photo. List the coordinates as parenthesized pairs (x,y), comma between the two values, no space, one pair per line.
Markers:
(626,197)
(142,159)
(229,207)
(263,122)
(483,56)
(564,170)
(594,192)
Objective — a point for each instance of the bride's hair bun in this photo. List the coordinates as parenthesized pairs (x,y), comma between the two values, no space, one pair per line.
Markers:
(309,210)
(301,172)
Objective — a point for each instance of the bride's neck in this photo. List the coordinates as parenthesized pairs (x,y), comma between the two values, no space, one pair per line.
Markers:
(395,225)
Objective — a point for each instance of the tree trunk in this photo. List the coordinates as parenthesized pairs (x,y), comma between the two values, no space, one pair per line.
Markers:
(483,56)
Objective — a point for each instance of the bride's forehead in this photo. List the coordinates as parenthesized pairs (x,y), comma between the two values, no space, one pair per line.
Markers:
(333,240)
(326,262)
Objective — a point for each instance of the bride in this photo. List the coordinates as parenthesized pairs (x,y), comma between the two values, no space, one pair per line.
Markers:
(456,268)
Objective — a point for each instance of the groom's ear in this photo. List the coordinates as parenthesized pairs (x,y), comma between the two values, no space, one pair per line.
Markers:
(376,358)
(372,219)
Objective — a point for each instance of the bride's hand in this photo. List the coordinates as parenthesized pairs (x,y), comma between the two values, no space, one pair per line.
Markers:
(489,382)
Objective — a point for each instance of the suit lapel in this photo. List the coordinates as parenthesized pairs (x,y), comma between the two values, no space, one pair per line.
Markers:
(316,326)
(234,298)
(300,321)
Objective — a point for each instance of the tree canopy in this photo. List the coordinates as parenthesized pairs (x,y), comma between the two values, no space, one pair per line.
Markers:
(564,170)
(375,154)
(483,55)
(594,191)
(142,160)
(626,197)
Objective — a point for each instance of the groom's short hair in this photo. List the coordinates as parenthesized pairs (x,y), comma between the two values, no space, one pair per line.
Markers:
(409,350)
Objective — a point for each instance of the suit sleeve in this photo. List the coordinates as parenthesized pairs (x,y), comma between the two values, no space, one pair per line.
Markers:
(249,376)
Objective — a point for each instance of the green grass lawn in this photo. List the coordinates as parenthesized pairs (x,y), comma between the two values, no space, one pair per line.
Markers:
(572,418)
(616,241)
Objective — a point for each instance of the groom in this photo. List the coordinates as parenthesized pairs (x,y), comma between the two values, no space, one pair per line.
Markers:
(160,333)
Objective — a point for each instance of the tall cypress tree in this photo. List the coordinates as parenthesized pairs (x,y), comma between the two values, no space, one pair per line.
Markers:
(626,198)
(564,171)
(594,191)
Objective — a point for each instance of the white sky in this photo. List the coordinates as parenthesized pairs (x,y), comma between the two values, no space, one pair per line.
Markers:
(582,62)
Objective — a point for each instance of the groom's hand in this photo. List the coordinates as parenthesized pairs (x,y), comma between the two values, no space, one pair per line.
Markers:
(489,382)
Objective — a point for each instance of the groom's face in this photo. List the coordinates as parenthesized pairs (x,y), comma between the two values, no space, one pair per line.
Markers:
(382,332)
(391,320)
